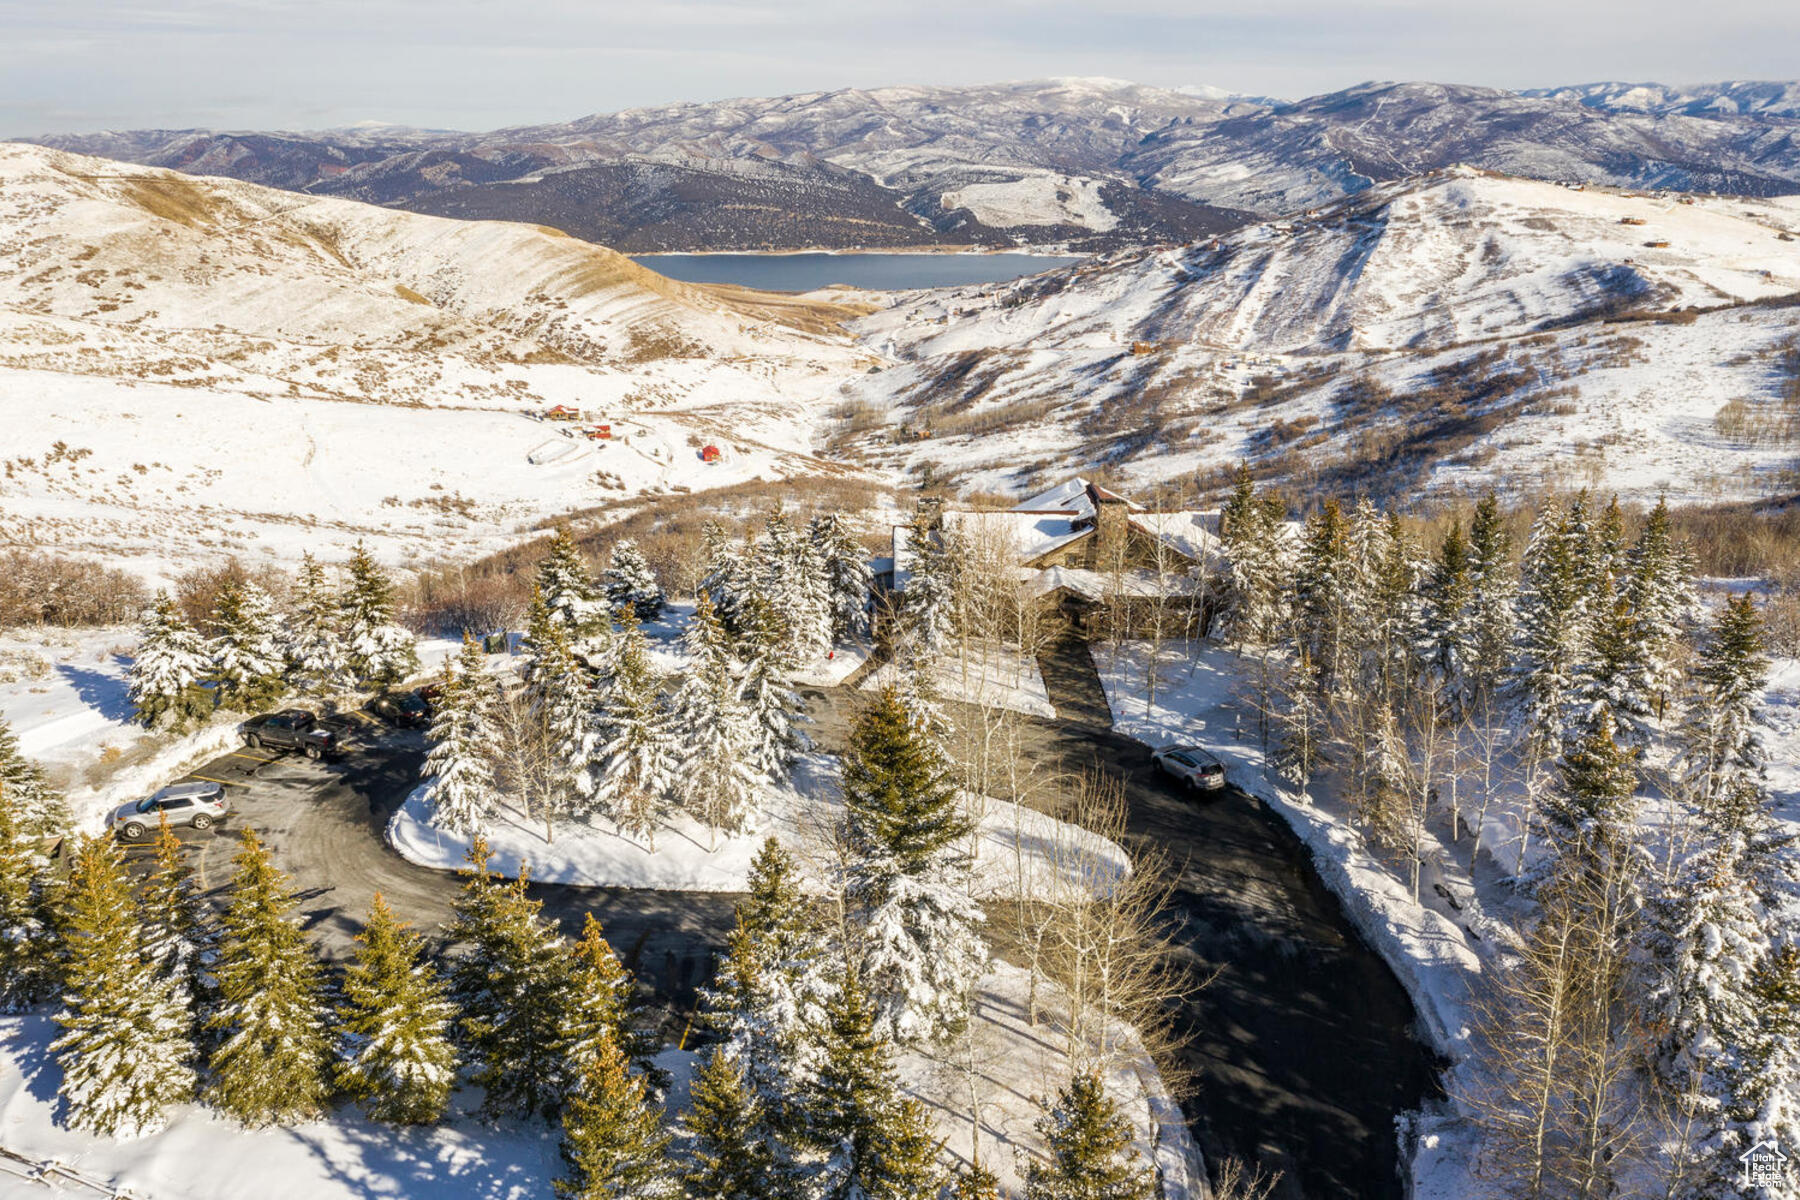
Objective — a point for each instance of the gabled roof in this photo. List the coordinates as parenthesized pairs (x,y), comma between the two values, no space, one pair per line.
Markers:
(1076,497)
(1030,535)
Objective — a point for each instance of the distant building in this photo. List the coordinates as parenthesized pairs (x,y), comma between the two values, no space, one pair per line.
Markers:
(1079,547)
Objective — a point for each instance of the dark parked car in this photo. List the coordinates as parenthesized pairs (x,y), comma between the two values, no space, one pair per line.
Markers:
(405,710)
(201,805)
(294,729)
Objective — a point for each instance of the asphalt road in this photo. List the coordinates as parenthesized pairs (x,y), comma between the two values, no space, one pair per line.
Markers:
(324,822)
(1301,1050)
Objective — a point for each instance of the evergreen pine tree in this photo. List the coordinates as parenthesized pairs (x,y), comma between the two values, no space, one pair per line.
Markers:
(1450,646)
(849,581)
(27,961)
(377,651)
(38,807)
(126,1049)
(1591,814)
(1720,739)
(273,1064)
(630,583)
(877,1146)
(569,590)
(1492,588)
(975,1182)
(397,1057)
(1326,593)
(514,1029)
(1766,1095)
(1658,583)
(613,1138)
(774,707)
(726,574)
(599,1006)
(317,659)
(928,595)
(736,1155)
(1256,555)
(247,660)
(460,789)
(638,755)
(476,927)
(1610,676)
(562,697)
(1091,1152)
(164,680)
(181,937)
(917,928)
(1552,626)
(716,779)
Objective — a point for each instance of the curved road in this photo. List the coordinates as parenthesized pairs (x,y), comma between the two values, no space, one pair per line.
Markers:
(1301,1049)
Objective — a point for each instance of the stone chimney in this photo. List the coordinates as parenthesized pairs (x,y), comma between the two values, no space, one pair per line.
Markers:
(1112,517)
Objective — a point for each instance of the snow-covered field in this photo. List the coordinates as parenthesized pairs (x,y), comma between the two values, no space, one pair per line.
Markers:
(191,368)
(1018,850)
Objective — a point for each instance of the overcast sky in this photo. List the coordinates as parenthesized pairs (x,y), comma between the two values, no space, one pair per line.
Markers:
(70,65)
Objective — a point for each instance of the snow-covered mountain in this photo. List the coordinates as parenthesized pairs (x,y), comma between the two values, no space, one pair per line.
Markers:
(1439,333)
(1096,163)
(191,367)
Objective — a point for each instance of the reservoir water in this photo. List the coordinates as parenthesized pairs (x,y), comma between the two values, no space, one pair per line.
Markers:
(876,271)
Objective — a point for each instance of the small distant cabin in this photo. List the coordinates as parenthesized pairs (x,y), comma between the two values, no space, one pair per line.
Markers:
(562,412)
(1657,245)
(1632,221)
(599,433)
(1143,347)
(710,454)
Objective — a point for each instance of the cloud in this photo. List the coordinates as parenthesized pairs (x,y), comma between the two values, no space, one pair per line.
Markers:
(480,64)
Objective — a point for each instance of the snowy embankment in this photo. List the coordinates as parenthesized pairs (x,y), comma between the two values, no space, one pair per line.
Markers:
(985,674)
(1008,1067)
(1017,849)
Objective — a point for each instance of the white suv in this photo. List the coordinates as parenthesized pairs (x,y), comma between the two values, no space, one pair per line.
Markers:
(1199,769)
(201,805)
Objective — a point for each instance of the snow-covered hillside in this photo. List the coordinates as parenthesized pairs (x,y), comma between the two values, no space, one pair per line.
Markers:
(1436,333)
(190,367)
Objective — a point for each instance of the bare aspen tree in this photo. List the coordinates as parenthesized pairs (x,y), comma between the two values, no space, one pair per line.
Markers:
(526,765)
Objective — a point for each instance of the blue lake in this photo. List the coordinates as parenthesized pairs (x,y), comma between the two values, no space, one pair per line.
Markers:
(878,272)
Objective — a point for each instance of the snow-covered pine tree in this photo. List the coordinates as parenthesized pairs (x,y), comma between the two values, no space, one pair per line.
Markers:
(775,709)
(735,1153)
(569,590)
(1610,678)
(1658,581)
(1720,741)
(164,680)
(476,928)
(514,1029)
(726,576)
(1091,1156)
(181,935)
(917,930)
(928,595)
(247,660)
(1766,1095)
(1449,620)
(613,1138)
(378,652)
(273,1064)
(768,994)
(1592,813)
(877,1146)
(1327,593)
(716,780)
(1552,627)
(27,962)
(37,806)
(849,581)
(1257,559)
(127,1047)
(395,1026)
(802,591)
(1492,588)
(629,582)
(637,755)
(599,1005)
(459,768)
(1396,634)
(975,1182)
(562,697)
(316,656)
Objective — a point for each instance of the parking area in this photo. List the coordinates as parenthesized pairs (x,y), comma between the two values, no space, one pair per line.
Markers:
(324,823)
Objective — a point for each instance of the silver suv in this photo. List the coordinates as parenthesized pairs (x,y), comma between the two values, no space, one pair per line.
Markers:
(201,805)
(1199,769)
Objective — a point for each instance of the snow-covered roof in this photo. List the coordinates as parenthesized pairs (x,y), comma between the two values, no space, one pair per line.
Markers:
(1028,534)
(1194,534)
(1073,496)
(1097,585)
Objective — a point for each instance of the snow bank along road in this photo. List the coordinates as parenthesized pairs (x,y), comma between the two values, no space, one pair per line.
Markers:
(1302,1048)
